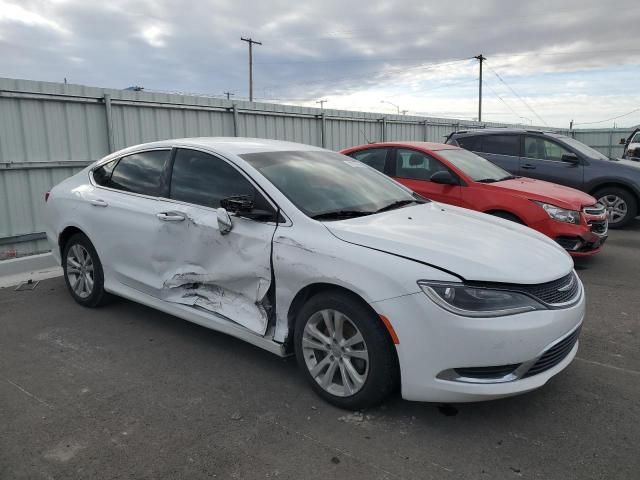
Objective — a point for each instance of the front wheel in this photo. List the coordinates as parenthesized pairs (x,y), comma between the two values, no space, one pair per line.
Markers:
(345,351)
(621,205)
(83,271)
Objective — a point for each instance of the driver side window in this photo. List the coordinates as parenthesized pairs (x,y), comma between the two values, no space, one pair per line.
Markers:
(540,148)
(202,179)
(415,165)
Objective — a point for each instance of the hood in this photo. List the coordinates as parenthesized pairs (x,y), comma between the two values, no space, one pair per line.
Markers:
(472,245)
(558,195)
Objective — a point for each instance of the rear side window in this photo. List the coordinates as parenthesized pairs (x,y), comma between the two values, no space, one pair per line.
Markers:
(374,157)
(102,175)
(203,179)
(470,143)
(140,173)
(501,145)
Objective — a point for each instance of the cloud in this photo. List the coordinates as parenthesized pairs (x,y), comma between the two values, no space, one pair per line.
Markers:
(354,53)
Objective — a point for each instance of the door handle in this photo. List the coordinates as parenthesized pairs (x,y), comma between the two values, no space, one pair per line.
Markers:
(170,216)
(528,166)
(97,202)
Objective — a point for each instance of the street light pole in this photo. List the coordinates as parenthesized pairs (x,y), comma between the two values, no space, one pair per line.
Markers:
(391,103)
(250,41)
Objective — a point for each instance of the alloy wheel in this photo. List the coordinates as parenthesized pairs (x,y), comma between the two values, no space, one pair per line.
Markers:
(616,207)
(80,270)
(335,353)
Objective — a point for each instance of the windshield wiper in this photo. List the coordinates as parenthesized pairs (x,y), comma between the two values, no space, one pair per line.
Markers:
(340,214)
(509,177)
(487,180)
(397,204)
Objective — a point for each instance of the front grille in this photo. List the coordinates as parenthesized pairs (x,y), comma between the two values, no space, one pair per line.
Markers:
(487,373)
(554,355)
(558,291)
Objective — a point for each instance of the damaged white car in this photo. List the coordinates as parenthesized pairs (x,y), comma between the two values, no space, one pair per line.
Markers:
(301,250)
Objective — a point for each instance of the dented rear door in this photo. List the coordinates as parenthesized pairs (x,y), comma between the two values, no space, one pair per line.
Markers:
(194,263)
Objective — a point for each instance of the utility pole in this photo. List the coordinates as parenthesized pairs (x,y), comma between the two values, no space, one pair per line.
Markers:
(229,95)
(481,58)
(250,41)
(321,102)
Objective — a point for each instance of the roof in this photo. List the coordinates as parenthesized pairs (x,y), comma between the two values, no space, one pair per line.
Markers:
(419,145)
(230,145)
(504,130)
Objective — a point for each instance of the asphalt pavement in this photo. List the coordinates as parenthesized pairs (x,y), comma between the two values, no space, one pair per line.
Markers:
(128,392)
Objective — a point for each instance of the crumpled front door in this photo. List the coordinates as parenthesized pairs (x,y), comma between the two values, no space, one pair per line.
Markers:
(196,265)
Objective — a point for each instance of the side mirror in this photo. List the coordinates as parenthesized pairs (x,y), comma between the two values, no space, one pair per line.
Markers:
(445,178)
(623,141)
(224,221)
(570,158)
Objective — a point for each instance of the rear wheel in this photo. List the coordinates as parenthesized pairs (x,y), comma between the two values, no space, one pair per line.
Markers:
(621,205)
(83,272)
(345,351)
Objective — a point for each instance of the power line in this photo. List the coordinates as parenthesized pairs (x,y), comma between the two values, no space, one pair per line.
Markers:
(503,101)
(521,99)
(609,119)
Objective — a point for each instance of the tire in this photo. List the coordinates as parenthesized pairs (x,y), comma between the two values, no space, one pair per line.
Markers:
(621,204)
(379,373)
(80,263)
(507,216)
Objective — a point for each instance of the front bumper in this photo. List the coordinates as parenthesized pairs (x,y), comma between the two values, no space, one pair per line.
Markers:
(434,342)
(578,240)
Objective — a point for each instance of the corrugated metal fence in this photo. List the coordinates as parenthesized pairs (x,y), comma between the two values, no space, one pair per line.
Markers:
(48,131)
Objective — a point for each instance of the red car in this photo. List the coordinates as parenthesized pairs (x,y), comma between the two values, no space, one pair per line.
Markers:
(449,174)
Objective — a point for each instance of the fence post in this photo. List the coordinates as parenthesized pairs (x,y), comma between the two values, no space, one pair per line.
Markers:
(426,131)
(107,107)
(384,129)
(610,144)
(234,110)
(323,130)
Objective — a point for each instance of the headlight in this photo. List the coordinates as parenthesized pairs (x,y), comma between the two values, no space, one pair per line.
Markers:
(561,214)
(470,301)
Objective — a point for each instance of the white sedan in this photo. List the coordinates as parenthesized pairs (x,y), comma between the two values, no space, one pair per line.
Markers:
(301,250)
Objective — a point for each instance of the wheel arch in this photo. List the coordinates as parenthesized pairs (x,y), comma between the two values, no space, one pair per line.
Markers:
(493,211)
(66,234)
(615,184)
(309,291)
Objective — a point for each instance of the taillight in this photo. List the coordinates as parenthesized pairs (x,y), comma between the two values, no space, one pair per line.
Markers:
(46,196)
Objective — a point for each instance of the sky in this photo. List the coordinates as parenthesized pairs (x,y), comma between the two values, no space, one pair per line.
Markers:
(548,62)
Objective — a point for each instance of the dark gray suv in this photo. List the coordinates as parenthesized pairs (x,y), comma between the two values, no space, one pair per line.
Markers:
(560,159)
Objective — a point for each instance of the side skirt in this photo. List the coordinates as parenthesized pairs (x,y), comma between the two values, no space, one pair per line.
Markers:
(208,319)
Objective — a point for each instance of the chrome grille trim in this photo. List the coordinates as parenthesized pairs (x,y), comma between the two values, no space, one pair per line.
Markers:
(597,209)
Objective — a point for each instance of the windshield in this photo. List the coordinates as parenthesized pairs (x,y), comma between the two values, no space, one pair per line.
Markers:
(474,166)
(323,183)
(636,138)
(583,149)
